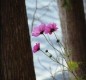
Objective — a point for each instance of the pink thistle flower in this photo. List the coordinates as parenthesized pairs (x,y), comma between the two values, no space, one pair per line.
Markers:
(36,47)
(51,27)
(38,30)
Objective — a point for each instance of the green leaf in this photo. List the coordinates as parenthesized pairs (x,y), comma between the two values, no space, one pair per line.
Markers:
(73,65)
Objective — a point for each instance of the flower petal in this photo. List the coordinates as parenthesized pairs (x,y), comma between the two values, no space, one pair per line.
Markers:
(36,47)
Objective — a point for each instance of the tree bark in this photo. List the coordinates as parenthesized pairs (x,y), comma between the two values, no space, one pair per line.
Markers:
(74,32)
(16,60)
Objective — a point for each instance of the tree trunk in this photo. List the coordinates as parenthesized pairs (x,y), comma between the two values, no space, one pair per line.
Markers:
(74,32)
(16,60)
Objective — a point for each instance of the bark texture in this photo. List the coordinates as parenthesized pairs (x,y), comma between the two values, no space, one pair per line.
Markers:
(16,60)
(74,32)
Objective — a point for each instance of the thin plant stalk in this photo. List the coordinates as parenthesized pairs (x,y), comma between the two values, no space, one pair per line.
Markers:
(54,47)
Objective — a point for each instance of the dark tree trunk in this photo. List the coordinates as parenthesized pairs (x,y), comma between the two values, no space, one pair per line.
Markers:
(74,32)
(16,60)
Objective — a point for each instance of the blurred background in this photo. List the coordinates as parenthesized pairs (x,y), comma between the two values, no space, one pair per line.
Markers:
(45,11)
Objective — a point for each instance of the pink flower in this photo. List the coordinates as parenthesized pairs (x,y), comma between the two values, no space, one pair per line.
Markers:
(38,30)
(36,47)
(51,27)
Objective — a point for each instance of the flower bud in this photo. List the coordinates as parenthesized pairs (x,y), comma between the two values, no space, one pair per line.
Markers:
(50,55)
(58,41)
(46,51)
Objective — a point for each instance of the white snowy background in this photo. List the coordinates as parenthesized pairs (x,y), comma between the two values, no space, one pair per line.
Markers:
(46,12)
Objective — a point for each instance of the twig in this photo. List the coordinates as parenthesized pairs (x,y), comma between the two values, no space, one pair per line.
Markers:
(34,17)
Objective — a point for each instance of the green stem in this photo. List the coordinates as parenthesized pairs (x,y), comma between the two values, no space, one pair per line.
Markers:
(54,47)
(68,58)
(59,63)
(53,58)
(63,47)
